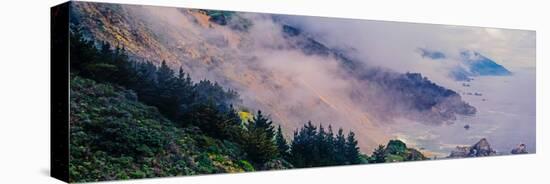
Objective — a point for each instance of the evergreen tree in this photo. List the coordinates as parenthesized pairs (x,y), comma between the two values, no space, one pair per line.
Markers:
(340,147)
(330,142)
(181,74)
(145,84)
(326,150)
(233,129)
(379,154)
(165,76)
(184,93)
(258,145)
(297,148)
(213,122)
(303,148)
(208,119)
(83,52)
(126,74)
(166,99)
(352,150)
(282,144)
(262,122)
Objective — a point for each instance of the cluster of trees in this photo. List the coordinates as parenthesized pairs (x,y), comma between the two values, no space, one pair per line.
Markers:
(312,147)
(173,94)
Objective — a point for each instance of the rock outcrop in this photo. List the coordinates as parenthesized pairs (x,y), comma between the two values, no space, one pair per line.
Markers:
(520,149)
(397,151)
(480,149)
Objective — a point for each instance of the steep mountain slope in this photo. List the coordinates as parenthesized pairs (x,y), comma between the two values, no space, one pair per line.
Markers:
(274,66)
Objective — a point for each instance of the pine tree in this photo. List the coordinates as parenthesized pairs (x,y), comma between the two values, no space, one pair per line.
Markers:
(379,154)
(340,147)
(304,150)
(184,93)
(208,119)
(262,122)
(326,150)
(282,144)
(165,76)
(330,135)
(352,150)
(297,149)
(258,144)
(166,100)
(181,74)
(145,84)
(125,74)
(313,145)
(330,142)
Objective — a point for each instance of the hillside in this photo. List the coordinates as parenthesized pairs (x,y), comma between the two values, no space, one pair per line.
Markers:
(114,136)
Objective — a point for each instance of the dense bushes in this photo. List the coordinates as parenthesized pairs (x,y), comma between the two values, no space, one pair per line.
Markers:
(114,121)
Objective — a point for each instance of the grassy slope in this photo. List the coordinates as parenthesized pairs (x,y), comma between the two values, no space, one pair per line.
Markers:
(113,136)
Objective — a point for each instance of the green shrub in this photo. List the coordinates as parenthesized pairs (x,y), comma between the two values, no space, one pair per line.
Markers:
(246,165)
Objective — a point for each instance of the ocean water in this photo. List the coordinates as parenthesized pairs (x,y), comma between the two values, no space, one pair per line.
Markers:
(506,117)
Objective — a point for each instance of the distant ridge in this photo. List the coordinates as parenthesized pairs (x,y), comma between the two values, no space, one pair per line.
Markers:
(472,64)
